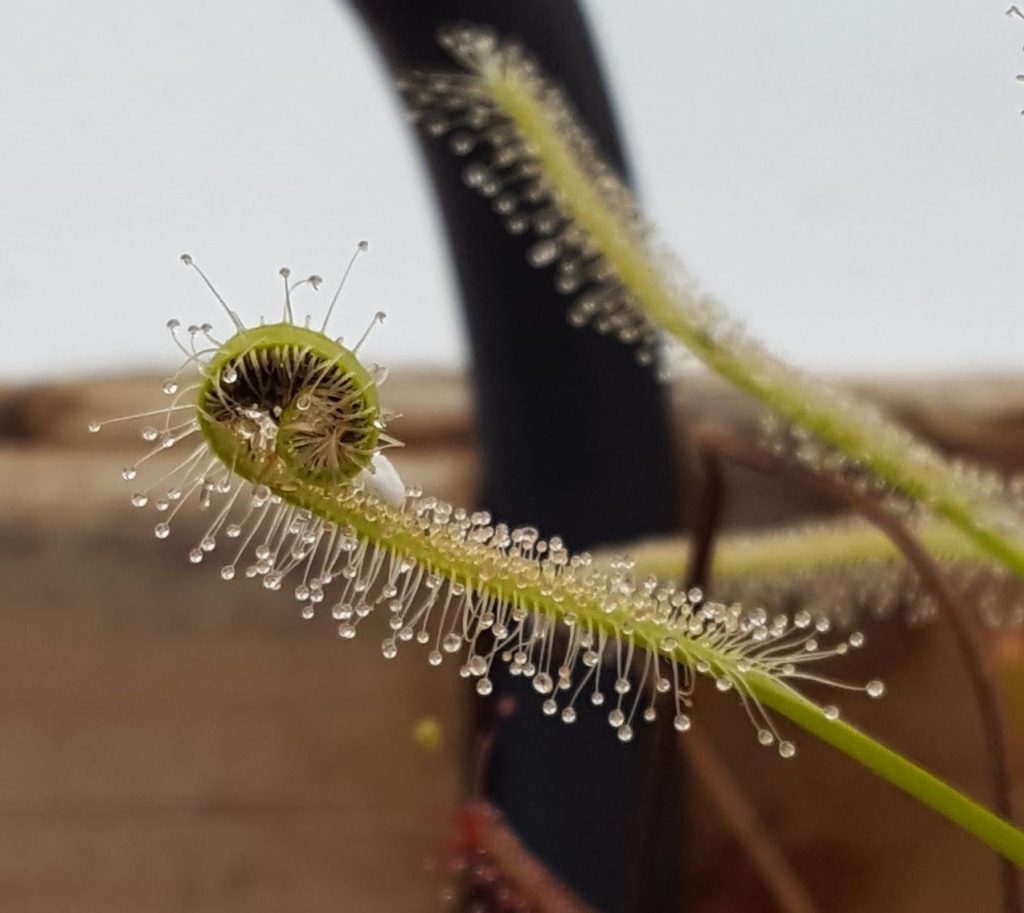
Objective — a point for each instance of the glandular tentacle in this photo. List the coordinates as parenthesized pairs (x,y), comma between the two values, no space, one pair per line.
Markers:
(291,472)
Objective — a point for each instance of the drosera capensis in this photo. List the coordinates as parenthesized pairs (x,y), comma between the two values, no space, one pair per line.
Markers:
(284,436)
(289,432)
(532,158)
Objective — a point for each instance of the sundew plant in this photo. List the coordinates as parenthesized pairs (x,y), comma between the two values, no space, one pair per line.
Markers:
(283,435)
(545,176)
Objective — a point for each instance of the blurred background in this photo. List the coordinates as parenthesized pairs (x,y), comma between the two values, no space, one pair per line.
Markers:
(845,177)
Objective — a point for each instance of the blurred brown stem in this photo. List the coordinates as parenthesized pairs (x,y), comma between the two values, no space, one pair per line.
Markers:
(712,445)
(707,516)
(742,819)
(721,787)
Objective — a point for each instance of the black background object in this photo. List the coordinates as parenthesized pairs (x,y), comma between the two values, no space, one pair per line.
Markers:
(577,440)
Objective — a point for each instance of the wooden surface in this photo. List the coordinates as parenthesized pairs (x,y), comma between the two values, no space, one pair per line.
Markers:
(171,742)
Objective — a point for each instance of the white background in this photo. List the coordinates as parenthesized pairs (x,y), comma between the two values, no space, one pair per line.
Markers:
(847,177)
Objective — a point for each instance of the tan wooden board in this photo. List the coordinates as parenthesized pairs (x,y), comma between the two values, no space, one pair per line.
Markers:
(169,742)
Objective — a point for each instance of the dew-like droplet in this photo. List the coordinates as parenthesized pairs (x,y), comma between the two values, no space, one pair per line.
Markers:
(875,688)
(170,387)
(682,722)
(162,530)
(389,648)
(765,737)
(543,684)
(272,581)
(616,718)
(831,712)
(475,175)
(569,715)
(477,665)
(463,143)
(517,224)
(94,426)
(787,749)
(544,253)
(128,473)
(139,499)
(227,572)
(484,687)
(196,555)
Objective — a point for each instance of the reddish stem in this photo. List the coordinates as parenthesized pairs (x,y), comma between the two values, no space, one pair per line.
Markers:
(712,444)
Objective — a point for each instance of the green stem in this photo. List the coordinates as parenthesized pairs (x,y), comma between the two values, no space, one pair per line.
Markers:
(914,780)
(886,449)
(385,528)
